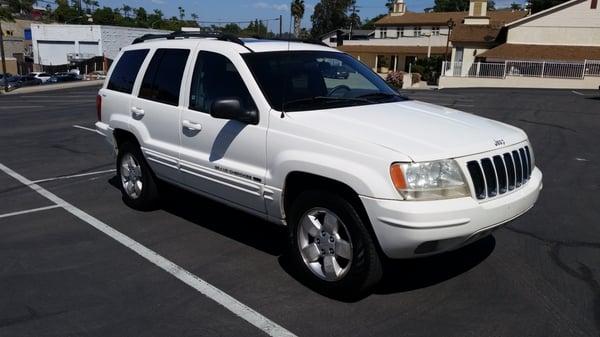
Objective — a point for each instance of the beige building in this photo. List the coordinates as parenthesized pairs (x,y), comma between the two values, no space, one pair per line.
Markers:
(402,36)
(17,45)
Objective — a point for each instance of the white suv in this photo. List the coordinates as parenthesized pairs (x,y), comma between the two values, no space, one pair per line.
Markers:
(355,171)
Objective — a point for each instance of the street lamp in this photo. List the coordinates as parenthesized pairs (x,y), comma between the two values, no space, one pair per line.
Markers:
(451,26)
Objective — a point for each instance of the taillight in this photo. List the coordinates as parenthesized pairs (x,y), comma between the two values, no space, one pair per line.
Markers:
(99,107)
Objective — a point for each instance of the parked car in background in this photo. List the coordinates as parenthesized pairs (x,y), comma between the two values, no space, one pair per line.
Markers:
(63,77)
(7,75)
(13,82)
(44,77)
(98,75)
(29,80)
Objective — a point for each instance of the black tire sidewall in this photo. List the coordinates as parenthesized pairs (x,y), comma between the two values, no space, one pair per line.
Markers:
(366,269)
(148,198)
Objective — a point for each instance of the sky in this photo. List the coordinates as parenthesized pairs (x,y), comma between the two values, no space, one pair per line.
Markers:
(240,10)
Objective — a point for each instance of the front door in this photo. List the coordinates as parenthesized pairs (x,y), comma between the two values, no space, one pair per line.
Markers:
(223,158)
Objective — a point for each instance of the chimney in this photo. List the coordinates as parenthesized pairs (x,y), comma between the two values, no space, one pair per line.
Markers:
(477,13)
(399,8)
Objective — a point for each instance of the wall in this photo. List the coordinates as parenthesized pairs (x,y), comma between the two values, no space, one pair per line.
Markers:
(574,25)
(407,40)
(519,82)
(52,43)
(16,44)
(469,54)
(115,38)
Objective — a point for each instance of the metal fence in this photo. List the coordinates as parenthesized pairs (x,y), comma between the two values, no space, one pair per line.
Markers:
(565,70)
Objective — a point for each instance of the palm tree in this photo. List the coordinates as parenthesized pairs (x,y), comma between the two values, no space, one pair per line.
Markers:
(297,12)
(126,10)
(181,13)
(194,16)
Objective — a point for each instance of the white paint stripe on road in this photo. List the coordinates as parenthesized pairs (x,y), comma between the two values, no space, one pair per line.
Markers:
(266,325)
(577,93)
(27,211)
(87,129)
(73,176)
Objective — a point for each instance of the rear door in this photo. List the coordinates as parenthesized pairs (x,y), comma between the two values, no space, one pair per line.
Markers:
(116,95)
(155,110)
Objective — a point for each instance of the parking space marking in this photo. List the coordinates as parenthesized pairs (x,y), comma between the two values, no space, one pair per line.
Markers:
(238,308)
(74,176)
(27,211)
(87,129)
(578,93)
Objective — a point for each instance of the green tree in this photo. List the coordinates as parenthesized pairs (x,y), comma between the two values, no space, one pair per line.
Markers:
(297,8)
(194,17)
(232,28)
(390,5)
(126,10)
(370,23)
(141,16)
(516,7)
(104,16)
(21,6)
(330,15)
(181,13)
(64,12)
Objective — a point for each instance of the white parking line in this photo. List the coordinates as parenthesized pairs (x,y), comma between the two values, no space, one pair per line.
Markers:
(33,210)
(21,107)
(87,129)
(577,93)
(73,176)
(261,322)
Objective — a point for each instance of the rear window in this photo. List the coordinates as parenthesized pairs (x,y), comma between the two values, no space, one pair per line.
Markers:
(162,81)
(123,77)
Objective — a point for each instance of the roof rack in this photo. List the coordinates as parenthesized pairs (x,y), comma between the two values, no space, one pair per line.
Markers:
(186,35)
(310,41)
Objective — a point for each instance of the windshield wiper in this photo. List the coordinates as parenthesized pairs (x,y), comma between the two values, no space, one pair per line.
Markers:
(379,95)
(317,99)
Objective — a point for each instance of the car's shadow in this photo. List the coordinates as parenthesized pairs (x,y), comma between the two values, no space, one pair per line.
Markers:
(399,275)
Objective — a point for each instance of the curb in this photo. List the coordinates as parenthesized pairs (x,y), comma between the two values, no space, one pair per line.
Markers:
(52,87)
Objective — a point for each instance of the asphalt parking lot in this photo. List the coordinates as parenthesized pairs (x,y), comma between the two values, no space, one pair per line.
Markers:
(74,260)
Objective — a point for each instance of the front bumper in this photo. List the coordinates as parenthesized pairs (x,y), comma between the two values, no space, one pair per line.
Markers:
(408,229)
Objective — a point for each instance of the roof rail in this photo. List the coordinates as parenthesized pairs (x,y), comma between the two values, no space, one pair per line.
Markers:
(185,35)
(310,41)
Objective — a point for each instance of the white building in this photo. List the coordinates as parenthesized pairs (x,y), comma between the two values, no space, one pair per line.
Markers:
(555,48)
(58,44)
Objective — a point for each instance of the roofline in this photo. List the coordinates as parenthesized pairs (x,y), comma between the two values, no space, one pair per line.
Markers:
(544,12)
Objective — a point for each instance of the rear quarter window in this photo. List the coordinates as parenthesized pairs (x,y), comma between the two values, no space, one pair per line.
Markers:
(126,70)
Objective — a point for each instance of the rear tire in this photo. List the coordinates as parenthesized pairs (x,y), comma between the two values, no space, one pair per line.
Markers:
(136,180)
(330,245)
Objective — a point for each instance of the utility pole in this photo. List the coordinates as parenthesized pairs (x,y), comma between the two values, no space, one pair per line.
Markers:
(352,21)
(4,77)
(280,25)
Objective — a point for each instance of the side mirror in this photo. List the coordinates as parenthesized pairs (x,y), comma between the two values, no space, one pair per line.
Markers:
(231,108)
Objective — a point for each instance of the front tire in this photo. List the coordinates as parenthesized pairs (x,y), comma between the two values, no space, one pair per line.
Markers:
(136,179)
(330,245)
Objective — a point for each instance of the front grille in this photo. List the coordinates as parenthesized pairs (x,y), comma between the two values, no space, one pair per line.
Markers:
(501,173)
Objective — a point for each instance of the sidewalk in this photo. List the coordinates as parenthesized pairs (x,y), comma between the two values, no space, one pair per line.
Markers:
(52,87)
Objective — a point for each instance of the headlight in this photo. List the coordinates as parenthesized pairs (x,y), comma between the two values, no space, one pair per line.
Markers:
(442,179)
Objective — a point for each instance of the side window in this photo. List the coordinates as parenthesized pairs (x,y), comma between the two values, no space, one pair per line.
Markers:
(162,81)
(123,77)
(215,77)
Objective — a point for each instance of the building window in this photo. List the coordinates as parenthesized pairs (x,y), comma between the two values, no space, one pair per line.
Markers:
(435,31)
(417,31)
(27,34)
(383,33)
(400,31)
(9,33)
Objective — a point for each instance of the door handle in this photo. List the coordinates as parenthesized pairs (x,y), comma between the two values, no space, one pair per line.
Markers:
(137,112)
(191,125)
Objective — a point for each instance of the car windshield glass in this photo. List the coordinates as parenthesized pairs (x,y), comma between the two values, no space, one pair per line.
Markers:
(315,80)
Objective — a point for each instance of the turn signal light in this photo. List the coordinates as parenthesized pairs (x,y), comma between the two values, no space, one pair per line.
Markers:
(398,177)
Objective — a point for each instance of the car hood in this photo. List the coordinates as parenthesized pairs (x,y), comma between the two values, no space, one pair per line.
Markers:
(419,130)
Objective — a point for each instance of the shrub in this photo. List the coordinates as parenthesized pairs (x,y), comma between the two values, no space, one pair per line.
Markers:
(395,79)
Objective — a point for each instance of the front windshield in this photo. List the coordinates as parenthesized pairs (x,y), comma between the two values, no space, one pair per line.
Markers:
(315,80)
